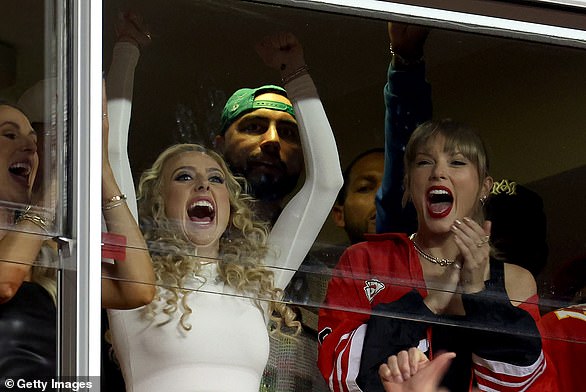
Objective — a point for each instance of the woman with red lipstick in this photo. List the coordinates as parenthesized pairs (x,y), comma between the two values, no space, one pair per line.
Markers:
(439,289)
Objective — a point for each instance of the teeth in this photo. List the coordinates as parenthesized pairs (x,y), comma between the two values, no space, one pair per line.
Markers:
(25,166)
(438,192)
(202,203)
(21,165)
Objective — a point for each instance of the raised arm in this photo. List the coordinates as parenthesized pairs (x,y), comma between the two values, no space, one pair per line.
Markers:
(132,36)
(128,283)
(407,105)
(117,176)
(302,218)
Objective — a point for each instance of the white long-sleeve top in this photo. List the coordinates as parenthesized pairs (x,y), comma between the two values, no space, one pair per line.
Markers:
(302,218)
(228,346)
(119,86)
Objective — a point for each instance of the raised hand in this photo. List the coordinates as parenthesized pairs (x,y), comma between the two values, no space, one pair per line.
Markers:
(130,27)
(411,371)
(281,51)
(407,40)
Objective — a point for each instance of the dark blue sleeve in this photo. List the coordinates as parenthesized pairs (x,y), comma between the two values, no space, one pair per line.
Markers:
(407,105)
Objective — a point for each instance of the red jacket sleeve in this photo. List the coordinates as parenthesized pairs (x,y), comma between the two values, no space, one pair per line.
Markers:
(342,324)
(564,341)
(370,273)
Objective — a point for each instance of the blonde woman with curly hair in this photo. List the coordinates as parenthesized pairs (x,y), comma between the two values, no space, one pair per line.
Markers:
(28,289)
(220,271)
(207,328)
(239,250)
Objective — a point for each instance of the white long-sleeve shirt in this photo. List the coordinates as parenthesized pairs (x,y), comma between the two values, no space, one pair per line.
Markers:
(228,346)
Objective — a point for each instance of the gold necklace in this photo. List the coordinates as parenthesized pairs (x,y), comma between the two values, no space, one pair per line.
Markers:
(428,257)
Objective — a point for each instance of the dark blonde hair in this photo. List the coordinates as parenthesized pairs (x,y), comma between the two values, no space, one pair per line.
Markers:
(458,137)
(43,271)
(243,246)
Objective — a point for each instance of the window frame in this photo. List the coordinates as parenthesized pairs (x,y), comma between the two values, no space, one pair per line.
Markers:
(81,286)
(79,305)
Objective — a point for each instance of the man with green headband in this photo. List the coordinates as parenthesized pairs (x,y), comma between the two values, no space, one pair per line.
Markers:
(270,136)
(259,138)
(259,134)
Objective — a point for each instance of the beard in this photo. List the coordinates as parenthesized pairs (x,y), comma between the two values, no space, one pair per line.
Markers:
(268,187)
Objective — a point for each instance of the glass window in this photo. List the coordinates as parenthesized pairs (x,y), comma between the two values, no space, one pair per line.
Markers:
(171,73)
(34,197)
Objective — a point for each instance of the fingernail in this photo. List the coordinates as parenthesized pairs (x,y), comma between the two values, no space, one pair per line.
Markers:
(458,222)
(466,219)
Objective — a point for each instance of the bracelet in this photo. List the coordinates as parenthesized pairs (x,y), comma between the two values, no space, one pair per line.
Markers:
(32,217)
(304,69)
(397,58)
(114,201)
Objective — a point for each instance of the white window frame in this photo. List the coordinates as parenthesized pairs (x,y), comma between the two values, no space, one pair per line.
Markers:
(80,281)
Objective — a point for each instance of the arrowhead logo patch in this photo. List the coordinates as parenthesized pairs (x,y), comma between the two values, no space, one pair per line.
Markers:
(373,287)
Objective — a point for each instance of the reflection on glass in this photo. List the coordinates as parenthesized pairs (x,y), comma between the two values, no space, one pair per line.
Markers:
(211,242)
(28,260)
(480,80)
(202,236)
(441,276)
(31,199)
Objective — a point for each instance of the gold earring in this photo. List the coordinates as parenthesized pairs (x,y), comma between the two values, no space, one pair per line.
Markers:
(483,199)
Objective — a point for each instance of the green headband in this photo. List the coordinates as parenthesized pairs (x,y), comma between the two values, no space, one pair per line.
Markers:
(243,101)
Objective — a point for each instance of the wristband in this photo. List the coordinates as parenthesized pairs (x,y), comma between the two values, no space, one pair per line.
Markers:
(114,201)
(397,59)
(304,69)
(33,217)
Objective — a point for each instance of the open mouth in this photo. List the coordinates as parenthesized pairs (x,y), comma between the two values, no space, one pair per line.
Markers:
(439,202)
(201,212)
(21,170)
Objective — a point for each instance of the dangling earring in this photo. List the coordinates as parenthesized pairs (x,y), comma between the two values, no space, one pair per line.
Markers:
(483,200)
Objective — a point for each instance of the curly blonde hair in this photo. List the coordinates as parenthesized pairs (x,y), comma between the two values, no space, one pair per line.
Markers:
(243,246)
